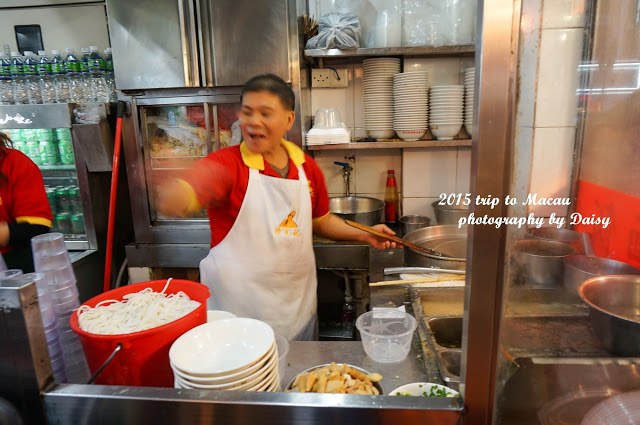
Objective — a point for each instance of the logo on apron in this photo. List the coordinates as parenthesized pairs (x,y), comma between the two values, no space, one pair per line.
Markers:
(288,227)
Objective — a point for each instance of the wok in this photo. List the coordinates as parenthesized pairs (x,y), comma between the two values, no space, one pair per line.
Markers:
(614,309)
(447,239)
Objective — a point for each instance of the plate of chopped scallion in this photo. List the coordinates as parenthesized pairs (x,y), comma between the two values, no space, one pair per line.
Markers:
(424,389)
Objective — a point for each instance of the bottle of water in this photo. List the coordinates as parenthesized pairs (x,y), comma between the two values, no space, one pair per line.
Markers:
(30,70)
(20,91)
(47,87)
(60,81)
(84,72)
(97,67)
(74,77)
(109,75)
(6,83)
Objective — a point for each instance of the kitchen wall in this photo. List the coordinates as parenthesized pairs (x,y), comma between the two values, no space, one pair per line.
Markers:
(551,42)
(550,52)
(75,26)
(422,173)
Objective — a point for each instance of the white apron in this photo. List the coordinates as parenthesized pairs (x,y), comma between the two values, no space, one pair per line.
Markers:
(265,267)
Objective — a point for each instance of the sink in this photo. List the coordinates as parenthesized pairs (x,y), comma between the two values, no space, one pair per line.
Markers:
(446,331)
(442,302)
(361,209)
(449,365)
(341,255)
(445,334)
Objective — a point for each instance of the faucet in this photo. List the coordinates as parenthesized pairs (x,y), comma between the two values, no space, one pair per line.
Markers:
(346,175)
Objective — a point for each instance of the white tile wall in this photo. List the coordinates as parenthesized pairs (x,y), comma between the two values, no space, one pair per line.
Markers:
(551,168)
(428,173)
(371,170)
(556,102)
(564,14)
(419,206)
(547,107)
(463,171)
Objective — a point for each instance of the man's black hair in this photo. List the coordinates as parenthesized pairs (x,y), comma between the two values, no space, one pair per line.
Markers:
(272,84)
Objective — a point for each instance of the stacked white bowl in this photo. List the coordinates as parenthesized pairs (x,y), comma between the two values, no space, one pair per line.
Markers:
(238,354)
(411,104)
(469,86)
(378,96)
(445,117)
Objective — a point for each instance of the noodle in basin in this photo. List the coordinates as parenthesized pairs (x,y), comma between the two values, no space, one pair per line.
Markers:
(137,312)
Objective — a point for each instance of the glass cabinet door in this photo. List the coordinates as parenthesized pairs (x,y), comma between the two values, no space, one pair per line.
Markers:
(568,348)
(52,150)
(175,136)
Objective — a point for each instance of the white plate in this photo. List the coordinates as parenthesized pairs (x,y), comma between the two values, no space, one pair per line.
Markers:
(221,347)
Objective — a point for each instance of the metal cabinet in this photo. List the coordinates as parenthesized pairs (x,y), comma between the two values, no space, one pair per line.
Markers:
(160,44)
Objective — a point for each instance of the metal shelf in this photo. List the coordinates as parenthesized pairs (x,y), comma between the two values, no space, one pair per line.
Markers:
(393,144)
(392,51)
(58,167)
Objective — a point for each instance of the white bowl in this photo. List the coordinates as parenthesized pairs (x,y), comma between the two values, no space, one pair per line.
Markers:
(228,379)
(410,135)
(424,389)
(218,315)
(221,347)
(445,131)
(381,134)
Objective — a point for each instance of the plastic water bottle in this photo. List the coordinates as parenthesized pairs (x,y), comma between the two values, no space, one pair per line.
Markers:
(47,87)
(98,82)
(84,72)
(20,91)
(6,83)
(74,77)
(60,81)
(32,81)
(109,75)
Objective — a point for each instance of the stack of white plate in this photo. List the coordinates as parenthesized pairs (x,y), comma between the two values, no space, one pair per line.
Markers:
(237,354)
(469,85)
(445,119)
(378,96)
(411,104)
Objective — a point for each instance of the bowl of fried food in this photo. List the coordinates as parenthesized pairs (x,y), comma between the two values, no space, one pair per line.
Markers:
(336,378)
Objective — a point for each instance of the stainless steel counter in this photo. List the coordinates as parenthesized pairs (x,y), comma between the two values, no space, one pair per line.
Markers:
(88,404)
(68,404)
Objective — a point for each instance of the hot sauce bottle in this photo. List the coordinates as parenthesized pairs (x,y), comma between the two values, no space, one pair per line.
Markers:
(391,199)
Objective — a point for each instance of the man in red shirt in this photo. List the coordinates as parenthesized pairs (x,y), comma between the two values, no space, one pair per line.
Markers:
(265,199)
(24,208)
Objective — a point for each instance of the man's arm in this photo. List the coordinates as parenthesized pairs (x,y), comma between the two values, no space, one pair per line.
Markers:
(333,227)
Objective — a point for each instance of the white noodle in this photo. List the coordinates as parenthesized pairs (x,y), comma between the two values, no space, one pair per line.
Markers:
(137,312)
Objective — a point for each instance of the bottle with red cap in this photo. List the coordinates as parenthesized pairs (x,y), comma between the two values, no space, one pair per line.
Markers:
(391,199)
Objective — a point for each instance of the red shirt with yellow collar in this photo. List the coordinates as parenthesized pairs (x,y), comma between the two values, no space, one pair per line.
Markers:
(22,196)
(220,182)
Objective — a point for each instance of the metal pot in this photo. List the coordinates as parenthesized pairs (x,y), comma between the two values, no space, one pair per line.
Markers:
(409,223)
(360,209)
(613,303)
(540,262)
(448,239)
(578,268)
(449,214)
(578,240)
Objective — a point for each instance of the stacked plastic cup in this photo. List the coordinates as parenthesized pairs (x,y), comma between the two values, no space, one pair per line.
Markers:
(50,323)
(50,257)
